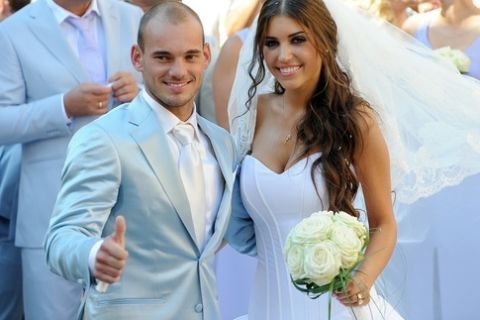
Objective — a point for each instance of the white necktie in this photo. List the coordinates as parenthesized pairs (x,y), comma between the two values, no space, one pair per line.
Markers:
(89,52)
(191,172)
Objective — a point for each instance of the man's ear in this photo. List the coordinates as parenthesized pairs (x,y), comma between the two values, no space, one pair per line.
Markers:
(136,56)
(207,53)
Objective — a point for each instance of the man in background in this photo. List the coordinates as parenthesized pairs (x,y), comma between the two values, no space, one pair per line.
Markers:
(63,64)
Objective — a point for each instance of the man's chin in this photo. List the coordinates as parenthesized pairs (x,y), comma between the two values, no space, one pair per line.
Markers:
(176,102)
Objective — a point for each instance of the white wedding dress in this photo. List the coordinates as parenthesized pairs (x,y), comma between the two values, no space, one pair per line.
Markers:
(430,119)
(276,203)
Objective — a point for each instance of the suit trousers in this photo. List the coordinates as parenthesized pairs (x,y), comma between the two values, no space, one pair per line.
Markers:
(11,305)
(39,281)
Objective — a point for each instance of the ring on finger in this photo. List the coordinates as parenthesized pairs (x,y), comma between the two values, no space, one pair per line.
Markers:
(100,105)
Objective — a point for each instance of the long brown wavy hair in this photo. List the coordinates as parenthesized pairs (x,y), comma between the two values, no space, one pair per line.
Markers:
(332,116)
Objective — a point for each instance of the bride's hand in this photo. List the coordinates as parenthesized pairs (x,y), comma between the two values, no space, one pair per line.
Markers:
(357,293)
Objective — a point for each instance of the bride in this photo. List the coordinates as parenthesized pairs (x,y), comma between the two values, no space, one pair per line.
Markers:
(313,142)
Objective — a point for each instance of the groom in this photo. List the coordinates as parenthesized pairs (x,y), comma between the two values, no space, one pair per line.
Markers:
(140,208)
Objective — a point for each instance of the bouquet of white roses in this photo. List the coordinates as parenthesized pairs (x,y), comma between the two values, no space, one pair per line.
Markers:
(323,250)
(455,56)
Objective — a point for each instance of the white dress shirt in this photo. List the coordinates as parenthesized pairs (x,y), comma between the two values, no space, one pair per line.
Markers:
(211,170)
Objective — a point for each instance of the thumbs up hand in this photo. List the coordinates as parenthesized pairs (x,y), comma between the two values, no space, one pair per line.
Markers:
(111,256)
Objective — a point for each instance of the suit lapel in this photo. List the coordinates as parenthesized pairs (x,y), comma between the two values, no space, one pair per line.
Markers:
(150,137)
(219,148)
(44,26)
(225,163)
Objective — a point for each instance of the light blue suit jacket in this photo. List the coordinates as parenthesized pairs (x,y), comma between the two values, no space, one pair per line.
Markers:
(36,67)
(122,164)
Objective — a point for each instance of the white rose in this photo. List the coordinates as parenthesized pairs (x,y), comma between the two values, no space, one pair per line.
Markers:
(323,213)
(348,244)
(294,256)
(313,229)
(461,61)
(322,262)
(455,56)
(352,223)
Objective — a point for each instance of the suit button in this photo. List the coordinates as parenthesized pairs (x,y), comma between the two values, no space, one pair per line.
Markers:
(199,308)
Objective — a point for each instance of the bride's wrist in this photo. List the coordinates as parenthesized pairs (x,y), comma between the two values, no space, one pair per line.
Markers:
(363,279)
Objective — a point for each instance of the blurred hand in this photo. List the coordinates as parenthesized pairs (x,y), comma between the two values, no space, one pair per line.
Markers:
(112,256)
(124,86)
(87,99)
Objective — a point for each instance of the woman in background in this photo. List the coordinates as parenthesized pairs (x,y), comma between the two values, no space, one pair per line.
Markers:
(226,64)
(456,24)
(393,11)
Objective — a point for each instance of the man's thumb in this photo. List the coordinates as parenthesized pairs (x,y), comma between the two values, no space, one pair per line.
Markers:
(119,231)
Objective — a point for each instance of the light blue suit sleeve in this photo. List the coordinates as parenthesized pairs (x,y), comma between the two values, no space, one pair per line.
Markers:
(241,232)
(90,184)
(20,120)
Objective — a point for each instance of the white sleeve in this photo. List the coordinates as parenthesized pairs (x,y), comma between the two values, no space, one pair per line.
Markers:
(93,255)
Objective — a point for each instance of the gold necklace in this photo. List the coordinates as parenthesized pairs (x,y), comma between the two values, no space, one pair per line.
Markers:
(288,137)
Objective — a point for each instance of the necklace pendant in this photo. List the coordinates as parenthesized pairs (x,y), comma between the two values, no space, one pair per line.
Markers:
(287,138)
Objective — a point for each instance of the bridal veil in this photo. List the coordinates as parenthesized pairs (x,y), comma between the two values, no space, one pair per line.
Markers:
(428,112)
